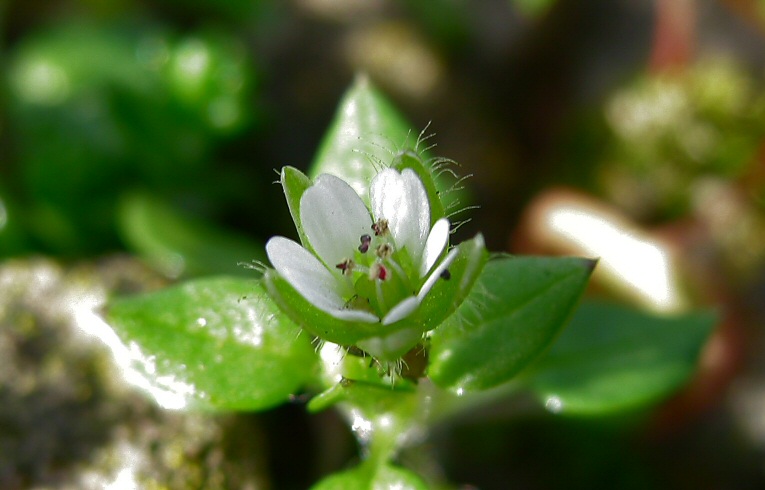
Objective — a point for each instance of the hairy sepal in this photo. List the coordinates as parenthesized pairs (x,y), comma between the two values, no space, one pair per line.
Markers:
(295,183)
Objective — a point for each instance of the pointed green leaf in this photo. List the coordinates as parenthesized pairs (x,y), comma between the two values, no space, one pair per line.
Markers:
(515,310)
(366,131)
(217,343)
(614,358)
(181,245)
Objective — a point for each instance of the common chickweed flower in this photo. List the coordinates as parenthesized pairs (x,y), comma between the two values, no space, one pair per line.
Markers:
(368,268)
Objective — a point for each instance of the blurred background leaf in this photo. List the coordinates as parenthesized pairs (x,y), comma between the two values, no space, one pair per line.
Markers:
(612,358)
(179,245)
(100,108)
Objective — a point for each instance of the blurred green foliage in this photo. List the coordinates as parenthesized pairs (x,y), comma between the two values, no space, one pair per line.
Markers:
(100,109)
(533,7)
(671,129)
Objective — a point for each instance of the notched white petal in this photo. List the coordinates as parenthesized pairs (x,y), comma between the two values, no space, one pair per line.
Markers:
(402,200)
(420,205)
(402,310)
(436,275)
(304,272)
(333,218)
(384,184)
(437,239)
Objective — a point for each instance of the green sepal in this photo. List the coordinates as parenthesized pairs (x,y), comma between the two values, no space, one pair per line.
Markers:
(447,295)
(214,344)
(295,183)
(516,309)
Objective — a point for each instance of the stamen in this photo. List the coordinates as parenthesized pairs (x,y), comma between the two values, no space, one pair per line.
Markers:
(346,266)
(380,227)
(378,271)
(384,250)
(365,241)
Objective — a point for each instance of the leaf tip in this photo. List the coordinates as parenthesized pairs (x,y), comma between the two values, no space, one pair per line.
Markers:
(590,264)
(361,80)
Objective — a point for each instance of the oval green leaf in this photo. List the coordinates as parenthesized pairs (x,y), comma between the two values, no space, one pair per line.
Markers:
(517,307)
(613,358)
(217,343)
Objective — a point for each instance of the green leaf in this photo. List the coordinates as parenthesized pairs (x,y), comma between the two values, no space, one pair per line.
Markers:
(365,477)
(366,130)
(177,244)
(217,343)
(515,310)
(613,358)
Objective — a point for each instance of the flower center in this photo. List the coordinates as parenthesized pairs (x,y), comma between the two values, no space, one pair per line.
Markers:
(378,273)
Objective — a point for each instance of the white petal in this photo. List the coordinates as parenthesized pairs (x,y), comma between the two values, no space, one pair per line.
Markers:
(333,217)
(354,315)
(401,199)
(437,239)
(402,310)
(312,280)
(305,273)
(425,289)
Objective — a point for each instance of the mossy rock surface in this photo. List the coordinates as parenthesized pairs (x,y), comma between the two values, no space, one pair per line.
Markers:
(67,420)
